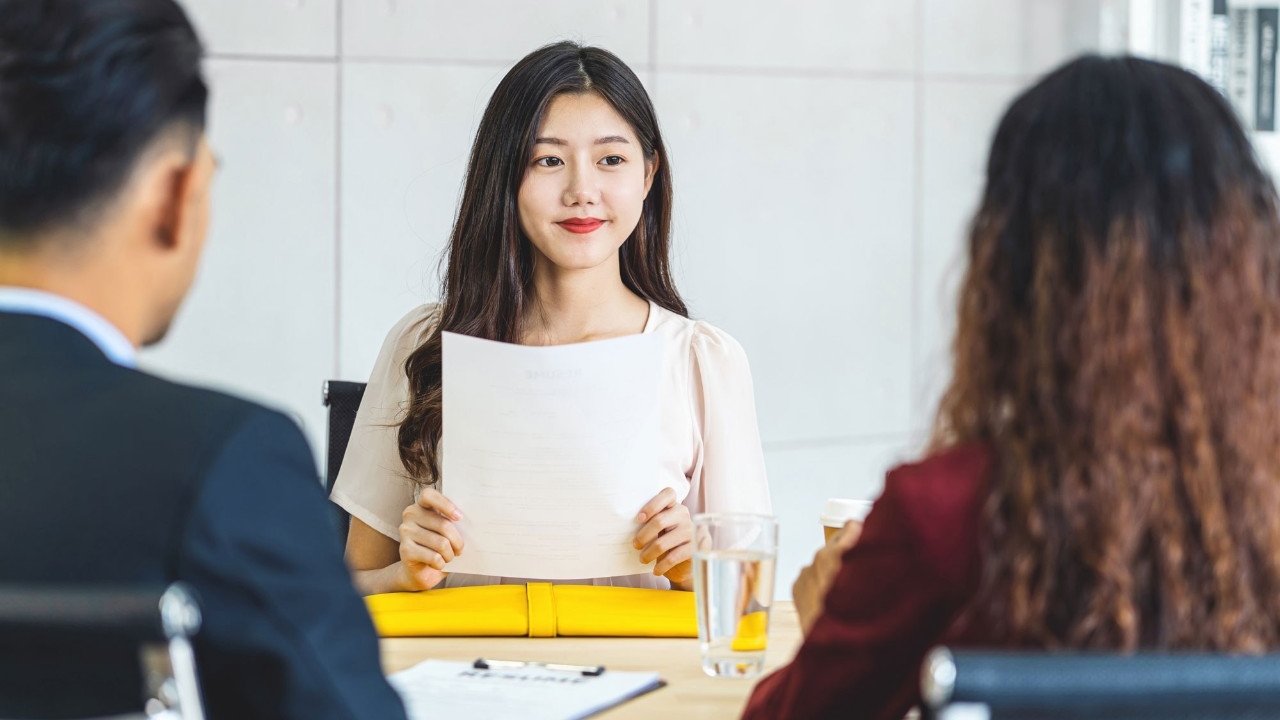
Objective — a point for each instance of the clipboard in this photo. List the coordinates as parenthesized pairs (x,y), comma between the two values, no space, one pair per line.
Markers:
(436,688)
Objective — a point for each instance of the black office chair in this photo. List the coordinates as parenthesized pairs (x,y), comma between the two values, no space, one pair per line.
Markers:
(343,400)
(86,651)
(1059,686)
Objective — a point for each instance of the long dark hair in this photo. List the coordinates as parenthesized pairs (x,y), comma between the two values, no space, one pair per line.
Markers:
(489,278)
(1118,348)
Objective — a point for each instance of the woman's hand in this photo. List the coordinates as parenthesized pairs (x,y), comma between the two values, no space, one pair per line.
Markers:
(666,535)
(810,589)
(428,540)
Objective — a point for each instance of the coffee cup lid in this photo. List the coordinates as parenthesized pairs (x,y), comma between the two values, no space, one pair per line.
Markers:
(839,510)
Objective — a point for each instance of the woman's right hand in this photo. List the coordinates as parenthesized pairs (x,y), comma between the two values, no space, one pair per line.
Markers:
(810,590)
(428,540)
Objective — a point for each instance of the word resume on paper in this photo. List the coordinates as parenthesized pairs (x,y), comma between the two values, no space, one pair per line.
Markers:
(550,452)
(439,689)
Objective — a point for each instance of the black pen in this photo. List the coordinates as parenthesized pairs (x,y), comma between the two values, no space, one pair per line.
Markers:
(589,670)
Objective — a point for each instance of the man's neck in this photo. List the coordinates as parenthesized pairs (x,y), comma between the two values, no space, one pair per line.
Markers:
(80,282)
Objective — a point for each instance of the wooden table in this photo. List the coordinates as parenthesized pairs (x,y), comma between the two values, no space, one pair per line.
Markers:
(689,693)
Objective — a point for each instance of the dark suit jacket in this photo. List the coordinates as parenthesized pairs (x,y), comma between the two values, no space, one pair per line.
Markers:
(914,568)
(111,475)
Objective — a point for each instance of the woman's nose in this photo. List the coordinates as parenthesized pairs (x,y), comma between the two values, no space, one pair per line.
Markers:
(582,189)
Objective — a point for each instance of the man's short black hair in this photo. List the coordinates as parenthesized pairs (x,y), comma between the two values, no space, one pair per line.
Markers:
(85,87)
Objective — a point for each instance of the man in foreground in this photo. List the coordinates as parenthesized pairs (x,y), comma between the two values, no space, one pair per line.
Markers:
(110,475)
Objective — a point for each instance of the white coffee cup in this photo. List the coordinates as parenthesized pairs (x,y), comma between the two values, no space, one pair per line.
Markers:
(838,511)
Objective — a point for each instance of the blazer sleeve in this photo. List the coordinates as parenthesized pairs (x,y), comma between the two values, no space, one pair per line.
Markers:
(885,610)
(285,635)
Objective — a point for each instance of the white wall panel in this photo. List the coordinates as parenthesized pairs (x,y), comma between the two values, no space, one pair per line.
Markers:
(406,133)
(959,123)
(827,34)
(491,30)
(1011,38)
(802,478)
(794,234)
(260,321)
(267,27)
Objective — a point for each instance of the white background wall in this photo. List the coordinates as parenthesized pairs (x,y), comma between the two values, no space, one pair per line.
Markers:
(826,156)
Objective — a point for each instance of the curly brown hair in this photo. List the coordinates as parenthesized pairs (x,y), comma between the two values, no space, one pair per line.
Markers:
(1118,348)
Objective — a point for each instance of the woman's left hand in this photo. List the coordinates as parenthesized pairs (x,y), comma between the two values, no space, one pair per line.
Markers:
(666,535)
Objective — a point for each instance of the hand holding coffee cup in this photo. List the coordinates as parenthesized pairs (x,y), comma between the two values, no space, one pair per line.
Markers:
(810,588)
(839,511)
(842,524)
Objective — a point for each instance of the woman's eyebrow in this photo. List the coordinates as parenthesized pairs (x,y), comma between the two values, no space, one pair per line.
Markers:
(606,140)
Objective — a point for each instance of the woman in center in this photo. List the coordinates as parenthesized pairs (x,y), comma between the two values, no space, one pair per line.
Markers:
(562,236)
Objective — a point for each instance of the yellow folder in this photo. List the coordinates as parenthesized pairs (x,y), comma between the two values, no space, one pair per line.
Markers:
(535,610)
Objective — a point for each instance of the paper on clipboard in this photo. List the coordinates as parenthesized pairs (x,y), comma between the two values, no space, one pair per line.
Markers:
(440,689)
(549,452)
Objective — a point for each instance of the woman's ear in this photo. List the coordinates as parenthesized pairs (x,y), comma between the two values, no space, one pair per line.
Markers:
(651,170)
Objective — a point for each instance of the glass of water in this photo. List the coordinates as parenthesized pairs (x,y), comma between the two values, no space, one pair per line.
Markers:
(733,560)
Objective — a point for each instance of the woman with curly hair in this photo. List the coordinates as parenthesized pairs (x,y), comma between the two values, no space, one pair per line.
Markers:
(1105,464)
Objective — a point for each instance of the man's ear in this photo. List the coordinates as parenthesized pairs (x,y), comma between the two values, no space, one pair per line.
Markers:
(651,171)
(160,192)
(175,182)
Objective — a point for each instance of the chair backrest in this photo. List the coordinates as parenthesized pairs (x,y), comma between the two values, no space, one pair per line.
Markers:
(343,400)
(50,634)
(1147,686)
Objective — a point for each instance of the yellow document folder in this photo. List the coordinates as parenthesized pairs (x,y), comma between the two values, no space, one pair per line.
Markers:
(535,610)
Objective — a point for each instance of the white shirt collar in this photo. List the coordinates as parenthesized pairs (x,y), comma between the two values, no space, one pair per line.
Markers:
(106,336)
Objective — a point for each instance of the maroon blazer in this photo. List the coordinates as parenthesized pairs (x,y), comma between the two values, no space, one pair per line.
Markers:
(915,566)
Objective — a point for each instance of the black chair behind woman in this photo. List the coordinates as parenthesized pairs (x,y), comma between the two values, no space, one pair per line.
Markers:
(342,398)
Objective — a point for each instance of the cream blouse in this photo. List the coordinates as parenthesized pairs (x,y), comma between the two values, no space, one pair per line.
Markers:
(710,441)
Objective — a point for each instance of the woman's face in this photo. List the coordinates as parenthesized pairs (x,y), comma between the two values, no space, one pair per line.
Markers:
(585,185)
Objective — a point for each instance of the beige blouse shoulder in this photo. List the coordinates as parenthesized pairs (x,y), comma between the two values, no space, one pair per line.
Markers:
(372,484)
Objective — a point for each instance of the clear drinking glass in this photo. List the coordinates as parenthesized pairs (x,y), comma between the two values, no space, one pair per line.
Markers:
(733,562)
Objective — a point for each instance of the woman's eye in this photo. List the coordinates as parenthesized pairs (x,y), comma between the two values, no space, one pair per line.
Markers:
(549,161)
(613,160)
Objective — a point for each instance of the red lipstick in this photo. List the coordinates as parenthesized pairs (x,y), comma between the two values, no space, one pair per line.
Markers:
(582,226)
